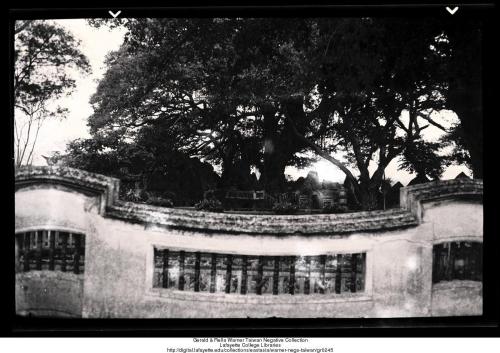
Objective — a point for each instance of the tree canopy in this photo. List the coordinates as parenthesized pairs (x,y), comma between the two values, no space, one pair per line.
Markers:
(44,55)
(256,92)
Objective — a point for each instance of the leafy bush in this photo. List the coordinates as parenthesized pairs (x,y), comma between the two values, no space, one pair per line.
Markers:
(160,201)
(285,208)
(130,195)
(335,208)
(169,195)
(211,205)
(144,196)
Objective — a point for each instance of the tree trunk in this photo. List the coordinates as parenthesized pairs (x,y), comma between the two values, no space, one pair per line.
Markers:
(369,198)
(277,152)
(273,177)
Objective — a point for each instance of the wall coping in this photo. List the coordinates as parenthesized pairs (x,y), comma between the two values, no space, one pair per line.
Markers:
(412,197)
(111,206)
(265,299)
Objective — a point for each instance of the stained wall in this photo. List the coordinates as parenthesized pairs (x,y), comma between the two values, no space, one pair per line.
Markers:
(119,255)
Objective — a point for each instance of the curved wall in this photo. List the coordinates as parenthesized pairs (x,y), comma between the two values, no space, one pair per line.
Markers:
(51,207)
(121,236)
(452,221)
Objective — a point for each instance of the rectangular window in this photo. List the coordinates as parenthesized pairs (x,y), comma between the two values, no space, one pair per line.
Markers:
(457,261)
(51,250)
(259,275)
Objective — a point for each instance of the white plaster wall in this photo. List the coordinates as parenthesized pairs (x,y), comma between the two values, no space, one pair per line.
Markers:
(452,219)
(124,259)
(52,292)
(119,263)
(448,221)
(50,208)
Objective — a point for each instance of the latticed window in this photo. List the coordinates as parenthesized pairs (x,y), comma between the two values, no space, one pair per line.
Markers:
(51,250)
(261,275)
(457,261)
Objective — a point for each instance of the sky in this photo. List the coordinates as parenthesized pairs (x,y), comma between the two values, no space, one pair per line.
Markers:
(96,43)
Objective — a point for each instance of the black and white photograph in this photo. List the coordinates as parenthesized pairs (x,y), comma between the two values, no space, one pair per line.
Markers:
(208,167)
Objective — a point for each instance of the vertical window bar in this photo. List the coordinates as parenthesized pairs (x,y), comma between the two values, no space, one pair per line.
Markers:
(228,273)
(451,263)
(197,261)
(363,271)
(307,280)
(19,244)
(447,266)
(26,257)
(39,236)
(467,262)
(181,269)
(436,255)
(64,245)
(292,275)
(164,280)
(52,249)
(20,250)
(260,275)
(213,272)
(338,274)
(443,261)
(479,262)
(244,275)
(322,269)
(76,253)
(354,268)
(276,275)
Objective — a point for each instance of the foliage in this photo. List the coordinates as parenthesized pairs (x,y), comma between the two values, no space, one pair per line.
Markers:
(462,69)
(159,201)
(45,55)
(205,80)
(211,205)
(377,71)
(149,164)
(284,207)
(421,158)
(247,93)
(131,195)
(456,139)
(335,208)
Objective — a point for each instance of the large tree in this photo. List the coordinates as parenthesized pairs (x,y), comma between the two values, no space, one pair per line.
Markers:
(179,73)
(255,92)
(463,69)
(148,165)
(376,87)
(218,83)
(44,56)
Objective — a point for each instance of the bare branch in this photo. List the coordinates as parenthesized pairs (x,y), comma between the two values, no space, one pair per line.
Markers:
(430,120)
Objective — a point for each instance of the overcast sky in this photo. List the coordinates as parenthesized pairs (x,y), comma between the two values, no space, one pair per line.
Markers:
(95,44)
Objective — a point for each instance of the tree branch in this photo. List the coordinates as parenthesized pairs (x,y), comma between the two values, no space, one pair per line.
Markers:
(322,153)
(430,120)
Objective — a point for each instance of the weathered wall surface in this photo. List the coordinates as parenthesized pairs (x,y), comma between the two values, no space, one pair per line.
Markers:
(120,240)
(49,207)
(457,298)
(49,293)
(447,221)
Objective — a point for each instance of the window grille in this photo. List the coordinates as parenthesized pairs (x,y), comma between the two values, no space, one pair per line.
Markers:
(51,250)
(457,261)
(260,275)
